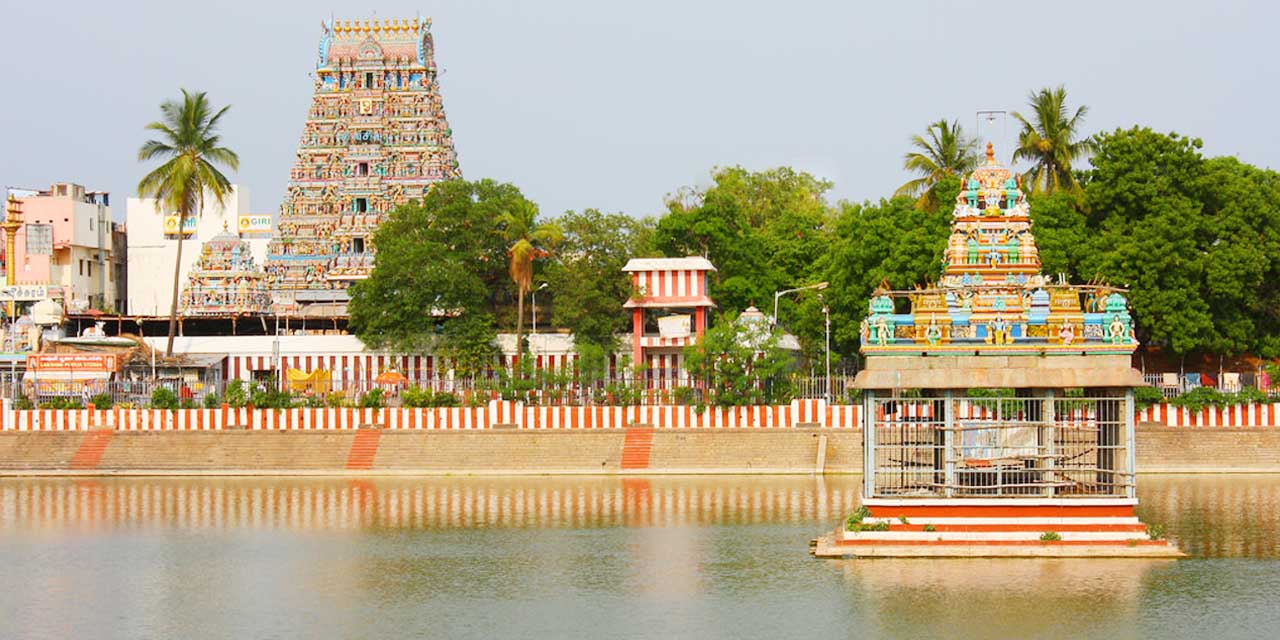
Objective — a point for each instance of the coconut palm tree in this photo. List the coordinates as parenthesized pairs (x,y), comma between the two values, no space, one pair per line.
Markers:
(1049,140)
(189,142)
(529,241)
(945,152)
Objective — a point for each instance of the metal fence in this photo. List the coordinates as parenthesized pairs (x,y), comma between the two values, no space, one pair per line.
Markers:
(1173,385)
(1000,447)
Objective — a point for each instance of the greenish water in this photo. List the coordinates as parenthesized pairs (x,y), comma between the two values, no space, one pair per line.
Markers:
(680,557)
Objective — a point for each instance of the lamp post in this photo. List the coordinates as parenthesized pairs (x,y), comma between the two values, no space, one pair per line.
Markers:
(535,306)
(11,224)
(819,286)
(826,316)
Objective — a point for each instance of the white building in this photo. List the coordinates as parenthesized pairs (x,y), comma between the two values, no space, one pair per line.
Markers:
(153,239)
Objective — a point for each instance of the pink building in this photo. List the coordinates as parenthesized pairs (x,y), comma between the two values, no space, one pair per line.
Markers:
(66,242)
(669,310)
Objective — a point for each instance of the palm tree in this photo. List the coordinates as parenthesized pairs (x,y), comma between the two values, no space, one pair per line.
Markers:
(189,140)
(946,152)
(529,241)
(1049,141)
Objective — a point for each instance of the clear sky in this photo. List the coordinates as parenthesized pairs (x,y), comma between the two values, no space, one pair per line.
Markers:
(588,103)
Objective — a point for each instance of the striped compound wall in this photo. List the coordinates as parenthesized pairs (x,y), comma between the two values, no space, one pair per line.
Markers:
(815,413)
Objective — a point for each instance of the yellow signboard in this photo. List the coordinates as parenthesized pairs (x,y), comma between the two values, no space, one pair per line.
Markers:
(254,223)
(171,225)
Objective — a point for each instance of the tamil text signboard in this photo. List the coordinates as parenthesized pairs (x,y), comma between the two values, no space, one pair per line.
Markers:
(24,292)
(72,362)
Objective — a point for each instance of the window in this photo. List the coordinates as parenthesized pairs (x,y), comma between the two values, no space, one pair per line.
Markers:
(357,245)
(82,267)
(368,80)
(90,268)
(91,224)
(362,205)
(362,169)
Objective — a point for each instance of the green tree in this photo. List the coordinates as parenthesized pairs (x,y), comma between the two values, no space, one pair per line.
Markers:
(1050,139)
(440,274)
(528,240)
(891,242)
(190,143)
(740,363)
(586,284)
(945,152)
(764,231)
(1061,232)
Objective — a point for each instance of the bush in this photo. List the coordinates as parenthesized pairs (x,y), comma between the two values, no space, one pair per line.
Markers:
(415,397)
(211,401)
(315,401)
(61,403)
(372,399)
(336,400)
(102,401)
(236,395)
(1050,536)
(23,403)
(1144,397)
(164,398)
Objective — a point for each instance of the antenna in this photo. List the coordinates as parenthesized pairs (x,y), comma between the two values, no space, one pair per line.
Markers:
(987,118)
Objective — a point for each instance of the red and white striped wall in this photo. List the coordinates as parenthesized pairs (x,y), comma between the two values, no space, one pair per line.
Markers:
(671,284)
(499,412)
(1235,416)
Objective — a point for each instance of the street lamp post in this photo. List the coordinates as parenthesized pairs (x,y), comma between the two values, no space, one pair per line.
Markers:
(535,306)
(819,286)
(826,316)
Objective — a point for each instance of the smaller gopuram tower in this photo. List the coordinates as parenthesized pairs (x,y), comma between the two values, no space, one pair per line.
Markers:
(376,137)
(226,282)
(998,410)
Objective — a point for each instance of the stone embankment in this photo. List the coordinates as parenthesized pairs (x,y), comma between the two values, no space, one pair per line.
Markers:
(505,438)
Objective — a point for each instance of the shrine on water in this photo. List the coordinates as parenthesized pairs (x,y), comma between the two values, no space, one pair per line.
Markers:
(998,408)
(226,282)
(376,137)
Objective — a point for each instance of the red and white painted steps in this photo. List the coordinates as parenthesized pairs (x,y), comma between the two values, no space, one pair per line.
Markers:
(997,528)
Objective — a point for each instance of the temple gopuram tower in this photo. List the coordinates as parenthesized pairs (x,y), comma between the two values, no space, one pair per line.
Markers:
(376,137)
(226,282)
(997,404)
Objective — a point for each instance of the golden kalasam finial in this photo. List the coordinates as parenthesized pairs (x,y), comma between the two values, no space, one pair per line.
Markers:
(991,154)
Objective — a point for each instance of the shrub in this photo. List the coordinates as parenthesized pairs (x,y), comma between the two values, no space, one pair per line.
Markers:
(187,403)
(854,521)
(211,401)
(102,401)
(236,395)
(372,399)
(23,403)
(1050,536)
(315,401)
(336,400)
(164,398)
(1155,531)
(60,403)
(1144,397)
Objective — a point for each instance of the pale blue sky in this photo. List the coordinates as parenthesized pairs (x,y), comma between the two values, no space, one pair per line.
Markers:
(613,105)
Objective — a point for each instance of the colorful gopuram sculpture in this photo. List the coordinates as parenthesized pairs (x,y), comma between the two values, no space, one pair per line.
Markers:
(997,405)
(992,293)
(226,281)
(375,138)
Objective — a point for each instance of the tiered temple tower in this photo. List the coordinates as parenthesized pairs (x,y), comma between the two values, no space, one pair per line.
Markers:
(226,282)
(998,405)
(376,137)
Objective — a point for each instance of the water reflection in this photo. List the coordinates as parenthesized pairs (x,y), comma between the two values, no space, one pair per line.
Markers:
(429,503)
(1216,516)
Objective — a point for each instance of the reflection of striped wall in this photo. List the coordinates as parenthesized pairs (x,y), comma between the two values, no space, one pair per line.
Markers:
(38,505)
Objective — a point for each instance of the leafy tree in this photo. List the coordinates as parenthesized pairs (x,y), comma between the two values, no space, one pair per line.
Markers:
(1061,232)
(587,285)
(764,231)
(740,363)
(892,242)
(529,241)
(946,152)
(190,142)
(1050,140)
(439,274)
(1197,240)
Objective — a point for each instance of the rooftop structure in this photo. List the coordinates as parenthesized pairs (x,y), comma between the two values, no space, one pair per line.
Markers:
(669,311)
(65,244)
(376,137)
